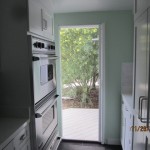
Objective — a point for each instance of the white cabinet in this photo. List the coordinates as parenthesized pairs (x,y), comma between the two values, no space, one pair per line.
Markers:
(126,132)
(141,77)
(35,22)
(26,146)
(122,124)
(47,25)
(140,6)
(41,18)
(139,140)
(21,141)
(142,60)
(9,146)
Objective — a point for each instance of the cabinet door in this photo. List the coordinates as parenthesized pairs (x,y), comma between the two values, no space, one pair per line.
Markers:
(9,146)
(140,6)
(35,21)
(141,59)
(141,78)
(122,124)
(139,137)
(128,130)
(148,117)
(26,146)
(47,24)
(48,5)
(41,18)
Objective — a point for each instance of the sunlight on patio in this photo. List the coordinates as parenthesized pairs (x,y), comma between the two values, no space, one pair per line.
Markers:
(80,124)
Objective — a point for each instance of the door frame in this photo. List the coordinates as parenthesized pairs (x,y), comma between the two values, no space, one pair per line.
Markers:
(102,81)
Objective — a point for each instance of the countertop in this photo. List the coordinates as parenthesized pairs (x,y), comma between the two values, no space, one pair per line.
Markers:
(9,128)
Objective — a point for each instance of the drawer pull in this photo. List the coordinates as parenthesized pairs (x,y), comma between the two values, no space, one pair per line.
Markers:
(140,113)
(22,137)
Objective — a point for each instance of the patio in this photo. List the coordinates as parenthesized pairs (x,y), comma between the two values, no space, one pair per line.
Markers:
(81,124)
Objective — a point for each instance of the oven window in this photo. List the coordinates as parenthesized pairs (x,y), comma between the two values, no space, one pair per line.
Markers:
(50,72)
(46,73)
(48,118)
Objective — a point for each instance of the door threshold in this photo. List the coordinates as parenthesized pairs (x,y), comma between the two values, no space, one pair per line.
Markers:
(82,141)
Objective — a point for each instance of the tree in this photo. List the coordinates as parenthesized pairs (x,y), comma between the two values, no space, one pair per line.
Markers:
(79,60)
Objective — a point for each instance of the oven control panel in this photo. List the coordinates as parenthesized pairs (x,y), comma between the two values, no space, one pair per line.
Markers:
(42,46)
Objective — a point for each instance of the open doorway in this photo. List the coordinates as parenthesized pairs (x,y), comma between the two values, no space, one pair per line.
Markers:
(80,61)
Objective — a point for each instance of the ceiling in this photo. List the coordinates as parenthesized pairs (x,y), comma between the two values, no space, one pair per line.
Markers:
(66,6)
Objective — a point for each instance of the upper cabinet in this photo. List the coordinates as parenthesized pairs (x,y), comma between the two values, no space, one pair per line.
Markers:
(41,18)
(140,6)
(35,20)
(142,79)
(141,61)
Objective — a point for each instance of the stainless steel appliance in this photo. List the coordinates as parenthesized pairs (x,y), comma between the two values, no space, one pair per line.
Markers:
(46,121)
(45,98)
(44,68)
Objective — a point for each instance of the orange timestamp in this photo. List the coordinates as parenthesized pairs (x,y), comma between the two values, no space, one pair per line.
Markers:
(140,128)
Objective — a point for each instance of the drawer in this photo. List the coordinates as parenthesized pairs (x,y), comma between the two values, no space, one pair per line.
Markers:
(26,146)
(9,146)
(21,138)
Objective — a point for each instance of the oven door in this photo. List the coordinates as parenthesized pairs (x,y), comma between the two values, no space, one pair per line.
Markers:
(44,75)
(46,121)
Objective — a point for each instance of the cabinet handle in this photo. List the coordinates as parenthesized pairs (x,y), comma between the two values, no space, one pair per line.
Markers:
(43,21)
(141,99)
(22,137)
(139,109)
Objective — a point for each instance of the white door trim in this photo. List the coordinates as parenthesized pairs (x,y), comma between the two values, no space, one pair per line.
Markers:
(102,83)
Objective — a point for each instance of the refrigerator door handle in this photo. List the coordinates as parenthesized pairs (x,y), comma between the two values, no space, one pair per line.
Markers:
(139,108)
(140,113)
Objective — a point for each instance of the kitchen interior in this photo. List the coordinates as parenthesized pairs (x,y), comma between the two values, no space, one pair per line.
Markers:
(30,72)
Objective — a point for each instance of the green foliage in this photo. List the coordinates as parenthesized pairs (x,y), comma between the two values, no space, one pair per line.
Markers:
(79,59)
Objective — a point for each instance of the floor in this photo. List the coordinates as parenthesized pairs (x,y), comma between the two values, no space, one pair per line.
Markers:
(80,124)
(70,145)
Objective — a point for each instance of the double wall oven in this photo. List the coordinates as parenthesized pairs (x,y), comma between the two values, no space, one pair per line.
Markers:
(45,97)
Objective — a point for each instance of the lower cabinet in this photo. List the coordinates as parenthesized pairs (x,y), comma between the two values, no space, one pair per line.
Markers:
(9,146)
(26,146)
(21,141)
(128,131)
(141,135)
(126,128)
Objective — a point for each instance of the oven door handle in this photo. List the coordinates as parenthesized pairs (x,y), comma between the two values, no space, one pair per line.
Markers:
(38,115)
(34,58)
(53,57)
(50,57)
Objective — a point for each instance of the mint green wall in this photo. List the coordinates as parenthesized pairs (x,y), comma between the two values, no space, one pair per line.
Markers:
(119,47)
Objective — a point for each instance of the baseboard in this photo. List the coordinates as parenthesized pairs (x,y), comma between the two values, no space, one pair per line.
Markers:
(113,142)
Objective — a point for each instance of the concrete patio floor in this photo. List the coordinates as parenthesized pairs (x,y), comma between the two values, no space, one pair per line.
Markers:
(81,124)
